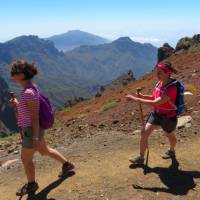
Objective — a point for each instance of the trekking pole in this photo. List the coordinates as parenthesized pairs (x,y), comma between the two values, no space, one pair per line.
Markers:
(142,121)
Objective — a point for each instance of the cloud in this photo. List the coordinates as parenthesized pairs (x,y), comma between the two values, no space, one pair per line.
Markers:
(146,39)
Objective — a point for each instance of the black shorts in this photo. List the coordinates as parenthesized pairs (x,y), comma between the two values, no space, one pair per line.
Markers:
(168,124)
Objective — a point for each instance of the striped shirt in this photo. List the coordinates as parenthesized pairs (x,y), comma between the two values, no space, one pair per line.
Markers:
(24,114)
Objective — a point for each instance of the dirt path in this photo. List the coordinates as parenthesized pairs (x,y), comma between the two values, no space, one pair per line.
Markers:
(103,172)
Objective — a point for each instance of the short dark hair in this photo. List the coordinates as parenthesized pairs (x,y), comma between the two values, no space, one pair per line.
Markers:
(169,65)
(21,66)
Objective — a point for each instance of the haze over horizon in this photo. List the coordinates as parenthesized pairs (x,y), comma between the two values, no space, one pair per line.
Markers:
(143,21)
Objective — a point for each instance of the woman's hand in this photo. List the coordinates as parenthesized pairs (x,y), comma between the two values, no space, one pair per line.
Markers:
(138,94)
(14,103)
(37,145)
(131,97)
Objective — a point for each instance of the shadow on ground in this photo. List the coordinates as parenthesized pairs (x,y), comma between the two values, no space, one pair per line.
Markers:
(42,195)
(177,182)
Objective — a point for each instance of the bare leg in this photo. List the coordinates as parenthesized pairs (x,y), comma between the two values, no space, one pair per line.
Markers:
(53,153)
(172,140)
(144,137)
(27,160)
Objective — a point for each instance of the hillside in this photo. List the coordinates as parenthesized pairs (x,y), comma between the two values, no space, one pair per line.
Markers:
(7,117)
(52,64)
(75,38)
(78,73)
(124,115)
(111,60)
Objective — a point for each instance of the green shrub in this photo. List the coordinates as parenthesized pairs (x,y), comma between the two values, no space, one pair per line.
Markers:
(57,124)
(108,105)
(67,110)
(10,138)
(195,49)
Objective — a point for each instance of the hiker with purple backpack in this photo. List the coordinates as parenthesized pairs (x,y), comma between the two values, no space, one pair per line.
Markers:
(34,115)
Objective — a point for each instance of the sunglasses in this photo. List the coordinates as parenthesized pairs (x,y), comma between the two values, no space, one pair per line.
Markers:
(15,72)
(160,72)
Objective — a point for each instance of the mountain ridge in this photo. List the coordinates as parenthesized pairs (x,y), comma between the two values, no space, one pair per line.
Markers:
(78,73)
(75,38)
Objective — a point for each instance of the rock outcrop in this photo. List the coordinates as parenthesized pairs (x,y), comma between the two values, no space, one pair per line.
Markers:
(189,43)
(122,80)
(164,52)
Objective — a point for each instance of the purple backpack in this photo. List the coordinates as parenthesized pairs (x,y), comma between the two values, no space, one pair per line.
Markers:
(46,114)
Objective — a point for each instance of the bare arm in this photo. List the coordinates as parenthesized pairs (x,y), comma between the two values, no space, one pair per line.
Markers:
(148,97)
(155,102)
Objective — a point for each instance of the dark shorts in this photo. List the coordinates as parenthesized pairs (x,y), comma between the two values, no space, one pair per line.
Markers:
(168,124)
(27,137)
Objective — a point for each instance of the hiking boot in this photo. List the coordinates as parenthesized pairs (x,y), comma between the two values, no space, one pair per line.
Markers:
(28,188)
(67,166)
(169,154)
(137,161)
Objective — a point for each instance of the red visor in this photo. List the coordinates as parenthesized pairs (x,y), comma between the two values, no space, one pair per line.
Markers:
(164,68)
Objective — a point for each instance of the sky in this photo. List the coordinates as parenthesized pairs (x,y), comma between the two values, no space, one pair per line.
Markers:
(153,21)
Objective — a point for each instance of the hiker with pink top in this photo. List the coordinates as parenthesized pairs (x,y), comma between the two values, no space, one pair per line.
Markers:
(167,103)
(34,114)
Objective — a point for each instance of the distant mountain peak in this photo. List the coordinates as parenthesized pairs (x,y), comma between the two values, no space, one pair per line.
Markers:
(76,38)
(76,31)
(124,39)
(26,44)
(23,37)
(29,39)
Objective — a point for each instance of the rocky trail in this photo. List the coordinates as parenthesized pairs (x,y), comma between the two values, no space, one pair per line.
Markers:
(103,170)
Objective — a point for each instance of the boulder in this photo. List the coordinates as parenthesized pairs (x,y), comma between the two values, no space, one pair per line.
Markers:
(136,132)
(8,163)
(184,121)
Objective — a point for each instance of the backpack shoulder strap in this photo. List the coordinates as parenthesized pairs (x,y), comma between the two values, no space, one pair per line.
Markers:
(171,83)
(34,87)
(157,84)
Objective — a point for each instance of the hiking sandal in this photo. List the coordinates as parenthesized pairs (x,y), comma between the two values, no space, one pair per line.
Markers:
(169,154)
(28,188)
(137,161)
(67,166)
